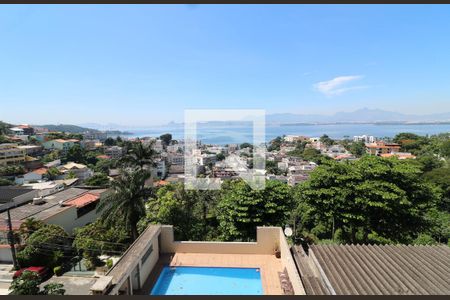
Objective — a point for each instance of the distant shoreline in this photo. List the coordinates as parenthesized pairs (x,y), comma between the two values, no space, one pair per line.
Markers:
(365,123)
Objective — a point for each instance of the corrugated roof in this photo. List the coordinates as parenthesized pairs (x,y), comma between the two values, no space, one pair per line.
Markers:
(7,193)
(381,270)
(42,211)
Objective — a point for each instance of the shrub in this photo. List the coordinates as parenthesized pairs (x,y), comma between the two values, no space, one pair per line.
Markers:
(58,271)
(424,239)
(109,263)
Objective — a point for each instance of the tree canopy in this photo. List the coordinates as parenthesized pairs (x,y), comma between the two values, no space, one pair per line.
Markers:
(369,200)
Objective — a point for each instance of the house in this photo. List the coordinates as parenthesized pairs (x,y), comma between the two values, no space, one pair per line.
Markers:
(32,163)
(95,135)
(175,148)
(53,164)
(364,138)
(161,168)
(295,179)
(16,131)
(115,152)
(11,154)
(31,149)
(89,144)
(399,155)
(26,129)
(295,138)
(381,147)
(175,158)
(70,208)
(80,171)
(374,269)
(12,195)
(33,176)
(206,159)
(60,144)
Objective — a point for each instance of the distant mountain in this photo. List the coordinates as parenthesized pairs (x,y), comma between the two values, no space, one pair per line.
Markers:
(67,128)
(103,127)
(365,115)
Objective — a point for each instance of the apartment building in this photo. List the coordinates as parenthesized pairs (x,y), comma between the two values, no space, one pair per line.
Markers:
(381,147)
(11,154)
(60,144)
(115,152)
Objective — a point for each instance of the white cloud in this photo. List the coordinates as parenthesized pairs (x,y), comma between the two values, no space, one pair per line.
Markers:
(336,86)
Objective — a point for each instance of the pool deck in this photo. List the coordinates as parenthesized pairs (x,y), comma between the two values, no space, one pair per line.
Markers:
(269,267)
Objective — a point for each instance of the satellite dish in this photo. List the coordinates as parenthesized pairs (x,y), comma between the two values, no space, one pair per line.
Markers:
(288,231)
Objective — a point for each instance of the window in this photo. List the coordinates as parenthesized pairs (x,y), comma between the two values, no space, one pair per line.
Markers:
(147,254)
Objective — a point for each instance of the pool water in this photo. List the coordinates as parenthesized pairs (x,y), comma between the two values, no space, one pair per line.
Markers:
(208,281)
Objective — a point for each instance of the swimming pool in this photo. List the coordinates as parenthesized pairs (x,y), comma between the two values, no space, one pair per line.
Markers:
(208,281)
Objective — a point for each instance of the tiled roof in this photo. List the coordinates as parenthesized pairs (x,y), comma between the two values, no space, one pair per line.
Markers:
(379,270)
(82,200)
(40,171)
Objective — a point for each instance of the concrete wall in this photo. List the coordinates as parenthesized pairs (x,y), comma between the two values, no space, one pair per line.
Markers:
(68,220)
(288,263)
(151,261)
(123,273)
(267,240)
(5,254)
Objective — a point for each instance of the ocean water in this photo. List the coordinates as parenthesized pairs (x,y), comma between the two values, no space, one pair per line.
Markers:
(239,134)
(208,281)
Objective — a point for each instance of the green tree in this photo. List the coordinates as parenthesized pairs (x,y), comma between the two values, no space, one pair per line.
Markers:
(191,212)
(357,149)
(275,144)
(272,167)
(325,139)
(99,179)
(46,246)
(139,155)
(53,289)
(424,239)
(370,200)
(54,155)
(166,138)
(75,154)
(53,173)
(109,142)
(29,226)
(28,284)
(445,148)
(429,162)
(241,209)
(246,145)
(220,156)
(125,201)
(5,182)
(96,239)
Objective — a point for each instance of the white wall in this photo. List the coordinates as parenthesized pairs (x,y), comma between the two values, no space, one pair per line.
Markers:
(267,239)
(68,220)
(5,254)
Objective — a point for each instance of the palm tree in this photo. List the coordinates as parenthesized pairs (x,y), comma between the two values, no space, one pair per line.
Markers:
(139,155)
(125,201)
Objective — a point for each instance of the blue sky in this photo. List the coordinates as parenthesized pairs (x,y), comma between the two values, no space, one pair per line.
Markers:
(143,65)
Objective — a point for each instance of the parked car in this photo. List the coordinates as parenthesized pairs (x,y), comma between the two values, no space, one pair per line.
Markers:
(43,272)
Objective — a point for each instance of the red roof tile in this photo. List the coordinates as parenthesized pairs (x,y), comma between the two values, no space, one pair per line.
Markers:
(82,200)
(40,171)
